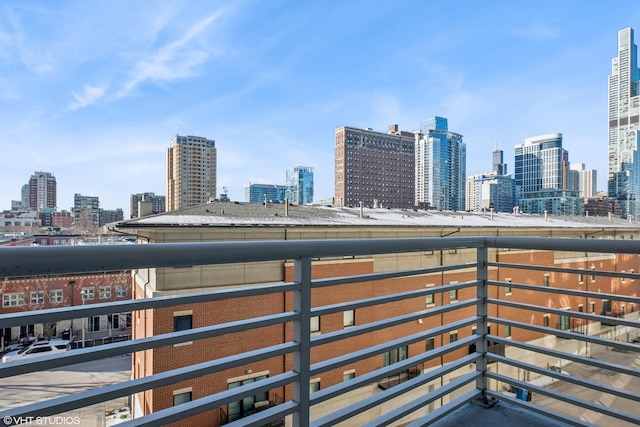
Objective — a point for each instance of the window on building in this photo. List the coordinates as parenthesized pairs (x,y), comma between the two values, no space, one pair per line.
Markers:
(430,299)
(349,375)
(546,280)
(507,289)
(55,296)
(394,356)
(315,324)
(593,276)
(13,300)
(88,294)
(580,308)
(37,297)
(121,291)
(182,322)
(545,320)
(564,322)
(242,408)
(314,385)
(507,331)
(430,344)
(105,292)
(606,307)
(113,320)
(580,278)
(348,318)
(93,323)
(453,336)
(453,294)
(179,398)
(592,307)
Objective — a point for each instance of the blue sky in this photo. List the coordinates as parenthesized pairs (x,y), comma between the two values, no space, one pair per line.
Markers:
(94,91)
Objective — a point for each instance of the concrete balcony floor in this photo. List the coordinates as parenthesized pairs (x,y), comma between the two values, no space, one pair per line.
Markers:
(506,413)
(502,414)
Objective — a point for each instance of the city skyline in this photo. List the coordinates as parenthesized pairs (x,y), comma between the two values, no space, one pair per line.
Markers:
(270,82)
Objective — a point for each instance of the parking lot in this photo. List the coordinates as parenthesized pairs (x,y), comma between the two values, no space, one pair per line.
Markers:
(37,386)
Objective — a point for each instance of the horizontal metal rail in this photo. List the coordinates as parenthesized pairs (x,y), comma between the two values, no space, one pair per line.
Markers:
(443,411)
(336,362)
(348,280)
(561,312)
(79,311)
(90,397)
(368,378)
(613,367)
(21,262)
(368,302)
(573,400)
(377,399)
(393,321)
(566,245)
(599,296)
(567,270)
(420,402)
(582,382)
(36,261)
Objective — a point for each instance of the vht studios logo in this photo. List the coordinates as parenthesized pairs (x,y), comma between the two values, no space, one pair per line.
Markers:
(55,420)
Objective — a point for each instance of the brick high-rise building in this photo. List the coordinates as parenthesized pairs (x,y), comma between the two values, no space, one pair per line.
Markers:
(374,168)
(191,172)
(42,191)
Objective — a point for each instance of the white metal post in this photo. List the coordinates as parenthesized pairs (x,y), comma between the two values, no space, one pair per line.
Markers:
(302,335)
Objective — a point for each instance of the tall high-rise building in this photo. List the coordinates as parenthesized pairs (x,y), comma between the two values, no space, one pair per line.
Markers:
(541,163)
(42,191)
(542,177)
(440,166)
(86,212)
(374,168)
(191,172)
(256,193)
(299,186)
(583,180)
(491,190)
(624,126)
(158,203)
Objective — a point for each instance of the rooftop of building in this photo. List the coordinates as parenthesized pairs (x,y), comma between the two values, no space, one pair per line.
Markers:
(219,213)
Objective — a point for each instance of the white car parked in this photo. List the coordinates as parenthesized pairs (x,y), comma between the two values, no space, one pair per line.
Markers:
(37,349)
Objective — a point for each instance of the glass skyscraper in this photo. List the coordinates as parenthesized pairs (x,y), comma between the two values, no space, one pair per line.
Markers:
(440,166)
(255,193)
(542,177)
(299,187)
(624,126)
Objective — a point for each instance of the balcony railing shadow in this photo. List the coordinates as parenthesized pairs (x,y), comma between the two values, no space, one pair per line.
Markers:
(431,388)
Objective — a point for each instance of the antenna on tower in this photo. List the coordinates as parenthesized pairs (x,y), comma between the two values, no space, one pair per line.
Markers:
(224,196)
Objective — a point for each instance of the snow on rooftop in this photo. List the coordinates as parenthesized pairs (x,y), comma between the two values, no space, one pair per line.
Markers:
(256,214)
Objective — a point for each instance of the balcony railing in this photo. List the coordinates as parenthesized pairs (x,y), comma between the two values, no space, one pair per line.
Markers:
(470,378)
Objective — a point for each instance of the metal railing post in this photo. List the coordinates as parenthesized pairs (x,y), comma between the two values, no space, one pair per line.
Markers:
(302,336)
(481,330)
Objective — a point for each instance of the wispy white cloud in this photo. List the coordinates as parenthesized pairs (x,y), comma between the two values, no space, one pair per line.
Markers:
(174,60)
(89,96)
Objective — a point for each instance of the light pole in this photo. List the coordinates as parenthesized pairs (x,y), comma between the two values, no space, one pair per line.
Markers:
(84,320)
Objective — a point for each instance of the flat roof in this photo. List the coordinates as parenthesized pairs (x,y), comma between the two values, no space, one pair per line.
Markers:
(219,213)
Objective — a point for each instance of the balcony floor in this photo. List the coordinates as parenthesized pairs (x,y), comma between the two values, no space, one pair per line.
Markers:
(502,414)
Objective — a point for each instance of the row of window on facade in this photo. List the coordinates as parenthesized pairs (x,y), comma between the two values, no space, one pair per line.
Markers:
(109,322)
(56,296)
